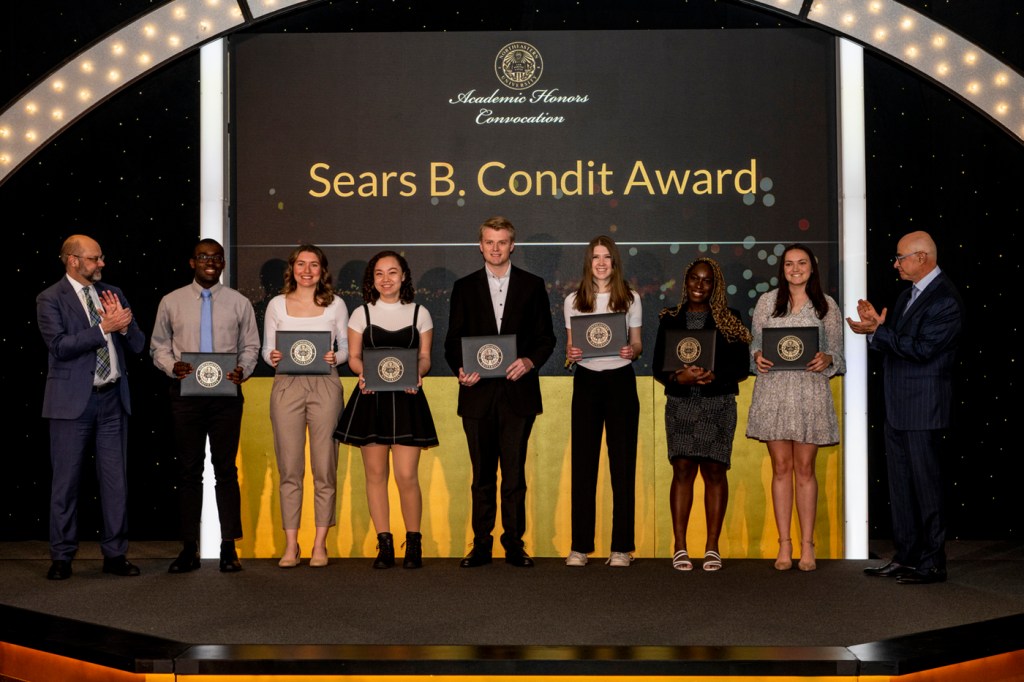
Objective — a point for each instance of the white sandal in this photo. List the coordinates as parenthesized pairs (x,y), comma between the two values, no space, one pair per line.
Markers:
(712,561)
(681,561)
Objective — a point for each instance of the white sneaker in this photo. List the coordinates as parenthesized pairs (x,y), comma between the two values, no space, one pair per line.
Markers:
(576,559)
(620,559)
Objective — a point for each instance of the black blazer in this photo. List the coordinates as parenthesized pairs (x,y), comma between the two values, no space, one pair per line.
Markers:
(527,315)
(920,347)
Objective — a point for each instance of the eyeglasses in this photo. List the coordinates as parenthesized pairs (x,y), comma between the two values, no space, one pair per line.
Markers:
(207,258)
(94,259)
(899,259)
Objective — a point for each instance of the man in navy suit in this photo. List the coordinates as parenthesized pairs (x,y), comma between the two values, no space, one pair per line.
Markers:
(87,326)
(498,413)
(919,341)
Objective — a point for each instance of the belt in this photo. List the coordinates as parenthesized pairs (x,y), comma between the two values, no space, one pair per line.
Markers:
(103,388)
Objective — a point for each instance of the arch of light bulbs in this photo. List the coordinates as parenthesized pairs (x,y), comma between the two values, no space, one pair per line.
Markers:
(107,66)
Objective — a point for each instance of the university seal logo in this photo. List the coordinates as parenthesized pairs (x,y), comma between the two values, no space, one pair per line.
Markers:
(790,348)
(688,350)
(599,335)
(390,369)
(489,356)
(518,65)
(209,374)
(302,352)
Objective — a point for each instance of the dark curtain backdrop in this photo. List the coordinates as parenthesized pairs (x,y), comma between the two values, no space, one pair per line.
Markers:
(127,174)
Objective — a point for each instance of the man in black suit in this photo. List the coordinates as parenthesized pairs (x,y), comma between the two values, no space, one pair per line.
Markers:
(87,327)
(919,341)
(498,413)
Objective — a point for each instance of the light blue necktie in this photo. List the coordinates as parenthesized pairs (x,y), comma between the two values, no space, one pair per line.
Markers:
(206,323)
(102,354)
(914,293)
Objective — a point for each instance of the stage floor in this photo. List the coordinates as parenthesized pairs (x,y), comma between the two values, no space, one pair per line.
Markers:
(647,612)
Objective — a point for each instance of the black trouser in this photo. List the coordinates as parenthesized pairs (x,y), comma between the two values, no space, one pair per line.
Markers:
(604,402)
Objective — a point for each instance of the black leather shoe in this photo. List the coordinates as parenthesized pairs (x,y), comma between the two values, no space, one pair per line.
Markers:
(187,561)
(59,570)
(518,558)
(119,565)
(477,557)
(889,570)
(932,575)
(385,550)
(229,562)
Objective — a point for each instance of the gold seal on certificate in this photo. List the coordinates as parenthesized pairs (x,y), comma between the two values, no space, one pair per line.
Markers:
(209,374)
(790,347)
(688,350)
(489,356)
(302,352)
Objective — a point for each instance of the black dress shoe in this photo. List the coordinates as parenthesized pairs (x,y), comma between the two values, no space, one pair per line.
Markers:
(119,565)
(229,562)
(518,558)
(186,562)
(59,570)
(477,557)
(889,570)
(932,575)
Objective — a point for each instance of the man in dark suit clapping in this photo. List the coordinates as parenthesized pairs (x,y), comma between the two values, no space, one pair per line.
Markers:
(919,341)
(498,413)
(87,327)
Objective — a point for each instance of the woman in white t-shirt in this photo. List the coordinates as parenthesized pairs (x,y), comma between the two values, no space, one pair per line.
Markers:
(604,399)
(395,421)
(301,401)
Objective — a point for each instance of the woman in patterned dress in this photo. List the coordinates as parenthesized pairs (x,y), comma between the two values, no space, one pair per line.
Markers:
(792,411)
(700,407)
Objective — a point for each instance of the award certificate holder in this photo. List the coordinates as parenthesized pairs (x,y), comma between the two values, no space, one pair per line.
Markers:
(789,348)
(209,376)
(689,347)
(303,352)
(390,369)
(599,335)
(489,356)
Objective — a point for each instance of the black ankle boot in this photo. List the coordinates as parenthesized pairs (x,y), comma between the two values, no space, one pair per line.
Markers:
(385,551)
(413,551)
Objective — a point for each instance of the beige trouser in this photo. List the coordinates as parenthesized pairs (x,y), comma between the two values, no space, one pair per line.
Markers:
(298,402)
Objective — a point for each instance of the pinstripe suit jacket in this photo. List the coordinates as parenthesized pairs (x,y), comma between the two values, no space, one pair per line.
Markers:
(920,347)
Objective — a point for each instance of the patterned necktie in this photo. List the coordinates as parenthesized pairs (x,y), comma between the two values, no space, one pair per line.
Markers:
(206,324)
(102,354)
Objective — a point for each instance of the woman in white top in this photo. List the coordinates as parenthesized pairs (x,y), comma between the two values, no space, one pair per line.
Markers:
(792,411)
(604,399)
(307,303)
(392,420)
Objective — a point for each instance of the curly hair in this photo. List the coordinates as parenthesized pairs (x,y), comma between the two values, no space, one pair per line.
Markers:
(405,292)
(813,288)
(732,327)
(324,293)
(622,295)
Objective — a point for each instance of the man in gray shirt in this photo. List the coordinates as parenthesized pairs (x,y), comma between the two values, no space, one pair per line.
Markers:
(206,316)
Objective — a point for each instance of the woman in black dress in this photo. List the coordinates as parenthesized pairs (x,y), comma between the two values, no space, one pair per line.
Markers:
(395,421)
(700,410)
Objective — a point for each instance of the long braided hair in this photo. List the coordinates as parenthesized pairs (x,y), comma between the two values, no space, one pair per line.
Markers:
(732,327)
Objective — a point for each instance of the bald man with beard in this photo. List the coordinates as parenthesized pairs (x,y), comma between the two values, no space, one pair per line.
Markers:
(918,340)
(88,327)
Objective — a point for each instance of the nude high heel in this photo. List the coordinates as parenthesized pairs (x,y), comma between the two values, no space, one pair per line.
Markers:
(784,563)
(807,561)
